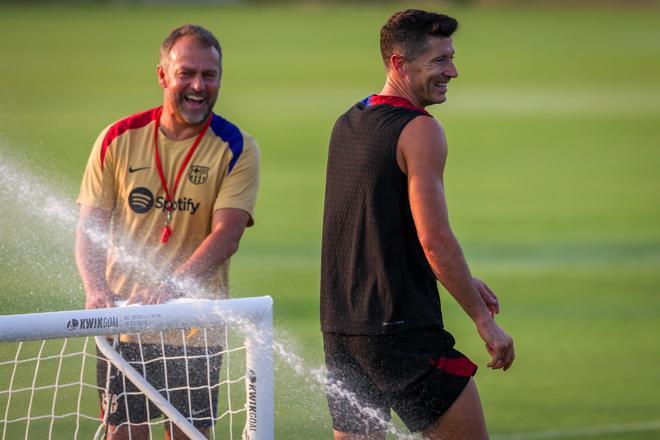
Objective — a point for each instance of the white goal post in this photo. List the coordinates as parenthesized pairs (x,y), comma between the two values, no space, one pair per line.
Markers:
(251,316)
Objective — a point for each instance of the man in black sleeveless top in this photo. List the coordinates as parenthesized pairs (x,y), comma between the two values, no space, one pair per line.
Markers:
(386,240)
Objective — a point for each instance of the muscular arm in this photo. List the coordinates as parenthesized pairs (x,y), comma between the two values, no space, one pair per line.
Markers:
(421,153)
(91,255)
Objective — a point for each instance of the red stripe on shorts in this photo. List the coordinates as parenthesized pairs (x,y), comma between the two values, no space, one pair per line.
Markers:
(457,366)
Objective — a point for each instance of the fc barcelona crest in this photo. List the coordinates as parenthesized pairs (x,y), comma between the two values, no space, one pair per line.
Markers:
(198,174)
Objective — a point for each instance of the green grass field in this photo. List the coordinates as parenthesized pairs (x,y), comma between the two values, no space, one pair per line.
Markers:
(553,181)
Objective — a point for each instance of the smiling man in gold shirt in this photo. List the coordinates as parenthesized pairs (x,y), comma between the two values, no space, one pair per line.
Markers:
(165,199)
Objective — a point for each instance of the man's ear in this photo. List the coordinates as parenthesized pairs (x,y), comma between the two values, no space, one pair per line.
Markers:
(398,63)
(162,80)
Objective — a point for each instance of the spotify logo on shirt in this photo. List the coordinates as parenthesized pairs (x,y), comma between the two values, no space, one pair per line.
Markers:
(141,200)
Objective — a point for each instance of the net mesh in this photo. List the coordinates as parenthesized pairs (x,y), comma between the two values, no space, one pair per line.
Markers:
(50,389)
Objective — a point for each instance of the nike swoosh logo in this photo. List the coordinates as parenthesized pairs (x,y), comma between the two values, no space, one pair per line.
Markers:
(132,170)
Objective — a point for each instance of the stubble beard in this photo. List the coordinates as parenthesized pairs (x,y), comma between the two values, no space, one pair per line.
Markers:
(190,117)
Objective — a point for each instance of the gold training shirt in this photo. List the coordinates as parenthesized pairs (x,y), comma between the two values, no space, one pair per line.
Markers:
(122,177)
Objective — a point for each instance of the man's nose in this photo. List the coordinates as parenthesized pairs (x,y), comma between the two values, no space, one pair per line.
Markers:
(451,70)
(197,82)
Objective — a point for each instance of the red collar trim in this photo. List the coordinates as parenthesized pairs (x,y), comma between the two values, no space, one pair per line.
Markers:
(395,101)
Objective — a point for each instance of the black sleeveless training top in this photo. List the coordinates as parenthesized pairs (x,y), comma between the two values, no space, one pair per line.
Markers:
(375,278)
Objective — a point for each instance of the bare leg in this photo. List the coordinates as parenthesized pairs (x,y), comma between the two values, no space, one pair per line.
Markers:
(464,420)
(348,436)
(121,432)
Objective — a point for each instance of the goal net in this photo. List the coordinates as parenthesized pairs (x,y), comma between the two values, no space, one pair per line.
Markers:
(203,367)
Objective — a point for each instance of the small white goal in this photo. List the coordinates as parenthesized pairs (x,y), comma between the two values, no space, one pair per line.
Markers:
(48,369)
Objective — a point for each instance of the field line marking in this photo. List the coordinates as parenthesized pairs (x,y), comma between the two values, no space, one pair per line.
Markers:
(584,431)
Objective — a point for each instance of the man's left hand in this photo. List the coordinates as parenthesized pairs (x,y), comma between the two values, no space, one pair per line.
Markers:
(489,297)
(158,294)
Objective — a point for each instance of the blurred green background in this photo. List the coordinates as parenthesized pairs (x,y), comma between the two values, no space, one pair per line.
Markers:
(552,181)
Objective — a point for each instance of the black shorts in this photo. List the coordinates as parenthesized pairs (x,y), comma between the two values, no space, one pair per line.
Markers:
(416,373)
(186,385)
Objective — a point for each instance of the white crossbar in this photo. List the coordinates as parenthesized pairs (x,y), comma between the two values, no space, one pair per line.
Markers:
(132,319)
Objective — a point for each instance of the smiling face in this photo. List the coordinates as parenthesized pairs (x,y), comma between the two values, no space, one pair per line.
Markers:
(428,75)
(190,76)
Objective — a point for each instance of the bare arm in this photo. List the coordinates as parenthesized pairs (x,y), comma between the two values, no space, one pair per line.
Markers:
(227,229)
(422,153)
(91,256)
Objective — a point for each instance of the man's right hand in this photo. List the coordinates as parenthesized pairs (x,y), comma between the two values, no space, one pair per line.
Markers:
(498,343)
(99,299)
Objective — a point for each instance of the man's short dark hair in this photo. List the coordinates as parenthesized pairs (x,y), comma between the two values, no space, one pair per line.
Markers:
(202,35)
(407,32)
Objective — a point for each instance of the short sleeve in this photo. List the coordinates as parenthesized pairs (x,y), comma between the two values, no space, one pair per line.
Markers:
(239,188)
(97,188)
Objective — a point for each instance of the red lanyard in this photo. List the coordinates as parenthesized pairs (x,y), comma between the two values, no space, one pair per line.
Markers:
(169,204)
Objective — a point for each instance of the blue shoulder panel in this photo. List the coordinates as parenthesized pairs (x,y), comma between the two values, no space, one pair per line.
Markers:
(229,133)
